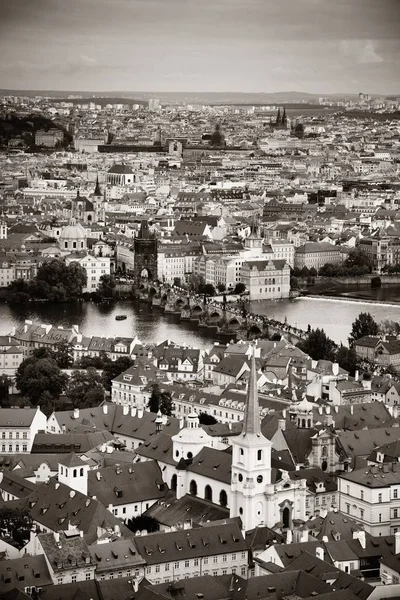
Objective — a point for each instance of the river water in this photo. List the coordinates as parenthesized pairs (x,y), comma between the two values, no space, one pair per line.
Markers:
(335,316)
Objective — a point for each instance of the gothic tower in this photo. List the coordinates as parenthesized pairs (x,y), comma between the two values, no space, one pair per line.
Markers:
(146,249)
(98,203)
(251,462)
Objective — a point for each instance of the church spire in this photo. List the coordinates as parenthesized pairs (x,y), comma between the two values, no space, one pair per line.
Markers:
(278,117)
(251,424)
(97,190)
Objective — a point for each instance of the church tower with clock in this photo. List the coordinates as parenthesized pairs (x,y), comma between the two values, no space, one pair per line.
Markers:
(251,462)
(261,495)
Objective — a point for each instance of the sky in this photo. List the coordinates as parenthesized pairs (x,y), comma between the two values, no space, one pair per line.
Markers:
(315,46)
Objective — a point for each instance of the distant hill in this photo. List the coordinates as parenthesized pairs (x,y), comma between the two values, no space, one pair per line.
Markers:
(187,97)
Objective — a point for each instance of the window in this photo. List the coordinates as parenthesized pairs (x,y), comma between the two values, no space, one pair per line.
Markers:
(215,559)
(394,493)
(395,513)
(176,565)
(205,560)
(73,578)
(362,495)
(243,555)
(157,568)
(259,454)
(186,564)
(148,570)
(224,558)
(233,555)
(379,498)
(196,562)
(380,517)
(88,576)
(243,571)
(166,566)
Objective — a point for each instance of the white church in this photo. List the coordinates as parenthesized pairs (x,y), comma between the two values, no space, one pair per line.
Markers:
(239,478)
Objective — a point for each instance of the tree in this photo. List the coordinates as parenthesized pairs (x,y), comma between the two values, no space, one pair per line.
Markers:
(299,130)
(112,369)
(205,419)
(221,287)
(389,327)
(160,400)
(17,523)
(318,345)
(107,286)
(5,384)
(64,355)
(347,359)
(35,376)
(143,523)
(357,258)
(209,289)
(85,389)
(239,288)
(362,326)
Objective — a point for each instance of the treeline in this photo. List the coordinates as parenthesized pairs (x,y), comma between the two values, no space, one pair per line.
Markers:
(55,281)
(26,127)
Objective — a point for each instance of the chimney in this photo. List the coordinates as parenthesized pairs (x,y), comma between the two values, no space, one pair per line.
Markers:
(360,536)
(76,413)
(351,409)
(63,429)
(133,411)
(319,552)
(81,533)
(289,536)
(356,375)
(397,543)
(282,424)
(125,410)
(335,368)
(140,413)
(328,410)
(105,409)
(57,537)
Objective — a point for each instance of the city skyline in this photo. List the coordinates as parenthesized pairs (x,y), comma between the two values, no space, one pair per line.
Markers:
(313,46)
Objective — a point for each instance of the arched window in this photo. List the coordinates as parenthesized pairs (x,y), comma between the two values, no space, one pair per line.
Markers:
(193,488)
(81,472)
(223,498)
(75,472)
(259,454)
(241,451)
(174,482)
(74,244)
(62,470)
(190,455)
(208,493)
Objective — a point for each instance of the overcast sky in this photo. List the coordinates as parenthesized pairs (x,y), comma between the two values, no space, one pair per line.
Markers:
(318,46)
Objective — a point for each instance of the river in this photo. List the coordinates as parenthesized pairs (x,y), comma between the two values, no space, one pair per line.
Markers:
(335,316)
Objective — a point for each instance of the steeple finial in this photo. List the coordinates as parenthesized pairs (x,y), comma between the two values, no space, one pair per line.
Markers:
(97,190)
(251,424)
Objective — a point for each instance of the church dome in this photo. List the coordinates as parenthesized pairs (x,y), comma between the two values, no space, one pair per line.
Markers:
(73,238)
(73,231)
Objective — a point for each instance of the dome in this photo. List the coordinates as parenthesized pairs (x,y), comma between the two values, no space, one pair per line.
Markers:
(73,232)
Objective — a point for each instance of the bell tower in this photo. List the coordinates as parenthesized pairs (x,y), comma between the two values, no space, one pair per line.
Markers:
(251,462)
(98,203)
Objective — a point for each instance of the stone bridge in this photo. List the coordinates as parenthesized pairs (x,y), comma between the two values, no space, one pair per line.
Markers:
(230,318)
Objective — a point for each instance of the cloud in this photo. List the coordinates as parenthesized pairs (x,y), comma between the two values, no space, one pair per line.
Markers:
(361,51)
